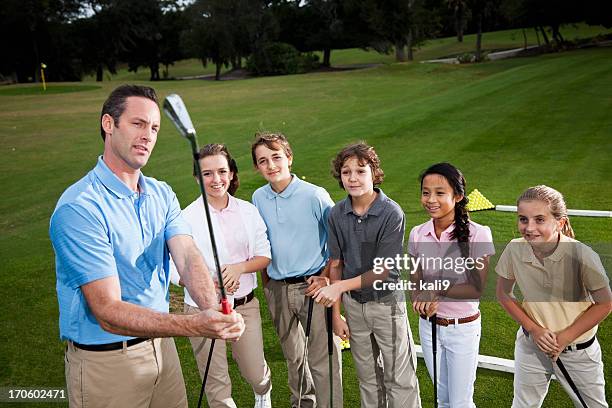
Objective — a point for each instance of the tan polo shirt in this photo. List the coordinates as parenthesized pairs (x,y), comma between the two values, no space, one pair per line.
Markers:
(557,291)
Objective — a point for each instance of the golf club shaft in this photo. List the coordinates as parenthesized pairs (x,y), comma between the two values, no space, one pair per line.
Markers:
(570,381)
(330,352)
(305,357)
(225,306)
(212,346)
(434,346)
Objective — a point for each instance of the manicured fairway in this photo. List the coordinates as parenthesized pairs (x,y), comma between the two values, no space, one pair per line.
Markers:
(507,125)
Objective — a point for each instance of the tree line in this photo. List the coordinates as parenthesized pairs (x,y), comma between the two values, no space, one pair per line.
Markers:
(74,38)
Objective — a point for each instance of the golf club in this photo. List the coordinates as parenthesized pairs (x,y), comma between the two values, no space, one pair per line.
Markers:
(434,346)
(330,352)
(175,109)
(570,381)
(305,357)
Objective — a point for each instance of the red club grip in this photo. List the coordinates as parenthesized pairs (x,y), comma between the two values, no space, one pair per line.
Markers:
(226,308)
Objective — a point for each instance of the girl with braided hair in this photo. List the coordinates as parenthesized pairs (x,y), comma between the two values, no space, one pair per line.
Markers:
(453,254)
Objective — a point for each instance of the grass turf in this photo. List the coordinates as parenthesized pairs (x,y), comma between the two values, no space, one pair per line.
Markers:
(507,125)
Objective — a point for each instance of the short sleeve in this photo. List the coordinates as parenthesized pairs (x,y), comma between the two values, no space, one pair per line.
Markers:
(82,247)
(592,270)
(391,241)
(333,241)
(412,242)
(325,204)
(262,244)
(504,267)
(481,243)
(175,224)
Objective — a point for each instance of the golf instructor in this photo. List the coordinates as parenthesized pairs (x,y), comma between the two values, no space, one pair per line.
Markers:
(112,233)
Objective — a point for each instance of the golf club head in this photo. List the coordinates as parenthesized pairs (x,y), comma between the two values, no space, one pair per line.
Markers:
(177,112)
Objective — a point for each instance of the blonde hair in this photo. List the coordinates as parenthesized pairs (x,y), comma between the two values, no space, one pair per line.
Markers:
(555,202)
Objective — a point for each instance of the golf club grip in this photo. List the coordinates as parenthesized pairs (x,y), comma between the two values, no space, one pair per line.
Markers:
(330,336)
(309,318)
(226,308)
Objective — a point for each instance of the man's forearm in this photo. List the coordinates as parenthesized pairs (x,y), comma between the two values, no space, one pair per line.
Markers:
(200,285)
(127,319)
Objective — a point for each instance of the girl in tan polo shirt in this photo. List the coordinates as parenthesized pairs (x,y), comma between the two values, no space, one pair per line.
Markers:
(566,294)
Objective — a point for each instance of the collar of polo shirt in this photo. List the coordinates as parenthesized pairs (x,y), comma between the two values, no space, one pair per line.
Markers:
(563,248)
(114,184)
(375,209)
(287,192)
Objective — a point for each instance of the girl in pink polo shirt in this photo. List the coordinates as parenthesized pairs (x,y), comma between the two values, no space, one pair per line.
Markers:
(452,254)
(243,249)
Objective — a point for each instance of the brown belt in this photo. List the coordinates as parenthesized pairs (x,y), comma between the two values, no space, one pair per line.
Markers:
(244,300)
(440,321)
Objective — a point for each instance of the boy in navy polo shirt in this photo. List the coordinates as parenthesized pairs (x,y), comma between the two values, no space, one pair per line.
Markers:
(295,213)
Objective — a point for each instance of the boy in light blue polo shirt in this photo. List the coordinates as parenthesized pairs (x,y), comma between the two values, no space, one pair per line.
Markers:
(295,213)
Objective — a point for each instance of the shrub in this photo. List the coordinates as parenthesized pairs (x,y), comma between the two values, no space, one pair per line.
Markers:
(274,59)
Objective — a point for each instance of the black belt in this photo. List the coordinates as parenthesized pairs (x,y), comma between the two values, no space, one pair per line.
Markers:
(579,346)
(109,346)
(299,279)
(244,300)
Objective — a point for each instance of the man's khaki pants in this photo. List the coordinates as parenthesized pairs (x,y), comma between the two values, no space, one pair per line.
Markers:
(379,331)
(289,310)
(533,370)
(247,352)
(145,375)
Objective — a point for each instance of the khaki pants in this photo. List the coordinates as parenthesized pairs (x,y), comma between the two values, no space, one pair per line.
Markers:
(145,375)
(533,370)
(379,332)
(247,352)
(289,310)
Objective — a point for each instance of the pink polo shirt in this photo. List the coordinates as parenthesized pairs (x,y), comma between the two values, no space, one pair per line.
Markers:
(423,242)
(236,243)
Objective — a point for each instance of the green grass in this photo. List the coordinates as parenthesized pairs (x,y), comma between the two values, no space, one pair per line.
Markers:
(507,124)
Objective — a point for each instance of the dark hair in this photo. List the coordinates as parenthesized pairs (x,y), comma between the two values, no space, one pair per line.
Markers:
(365,154)
(273,141)
(215,149)
(462,218)
(115,103)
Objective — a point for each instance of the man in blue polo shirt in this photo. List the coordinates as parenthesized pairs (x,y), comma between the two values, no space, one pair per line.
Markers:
(295,213)
(112,233)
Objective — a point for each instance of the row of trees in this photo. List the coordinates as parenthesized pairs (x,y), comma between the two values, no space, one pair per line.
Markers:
(78,37)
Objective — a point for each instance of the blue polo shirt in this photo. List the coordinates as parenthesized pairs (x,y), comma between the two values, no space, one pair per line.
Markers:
(297,227)
(101,228)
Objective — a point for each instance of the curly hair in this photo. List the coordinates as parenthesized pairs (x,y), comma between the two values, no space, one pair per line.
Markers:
(365,154)
(215,149)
